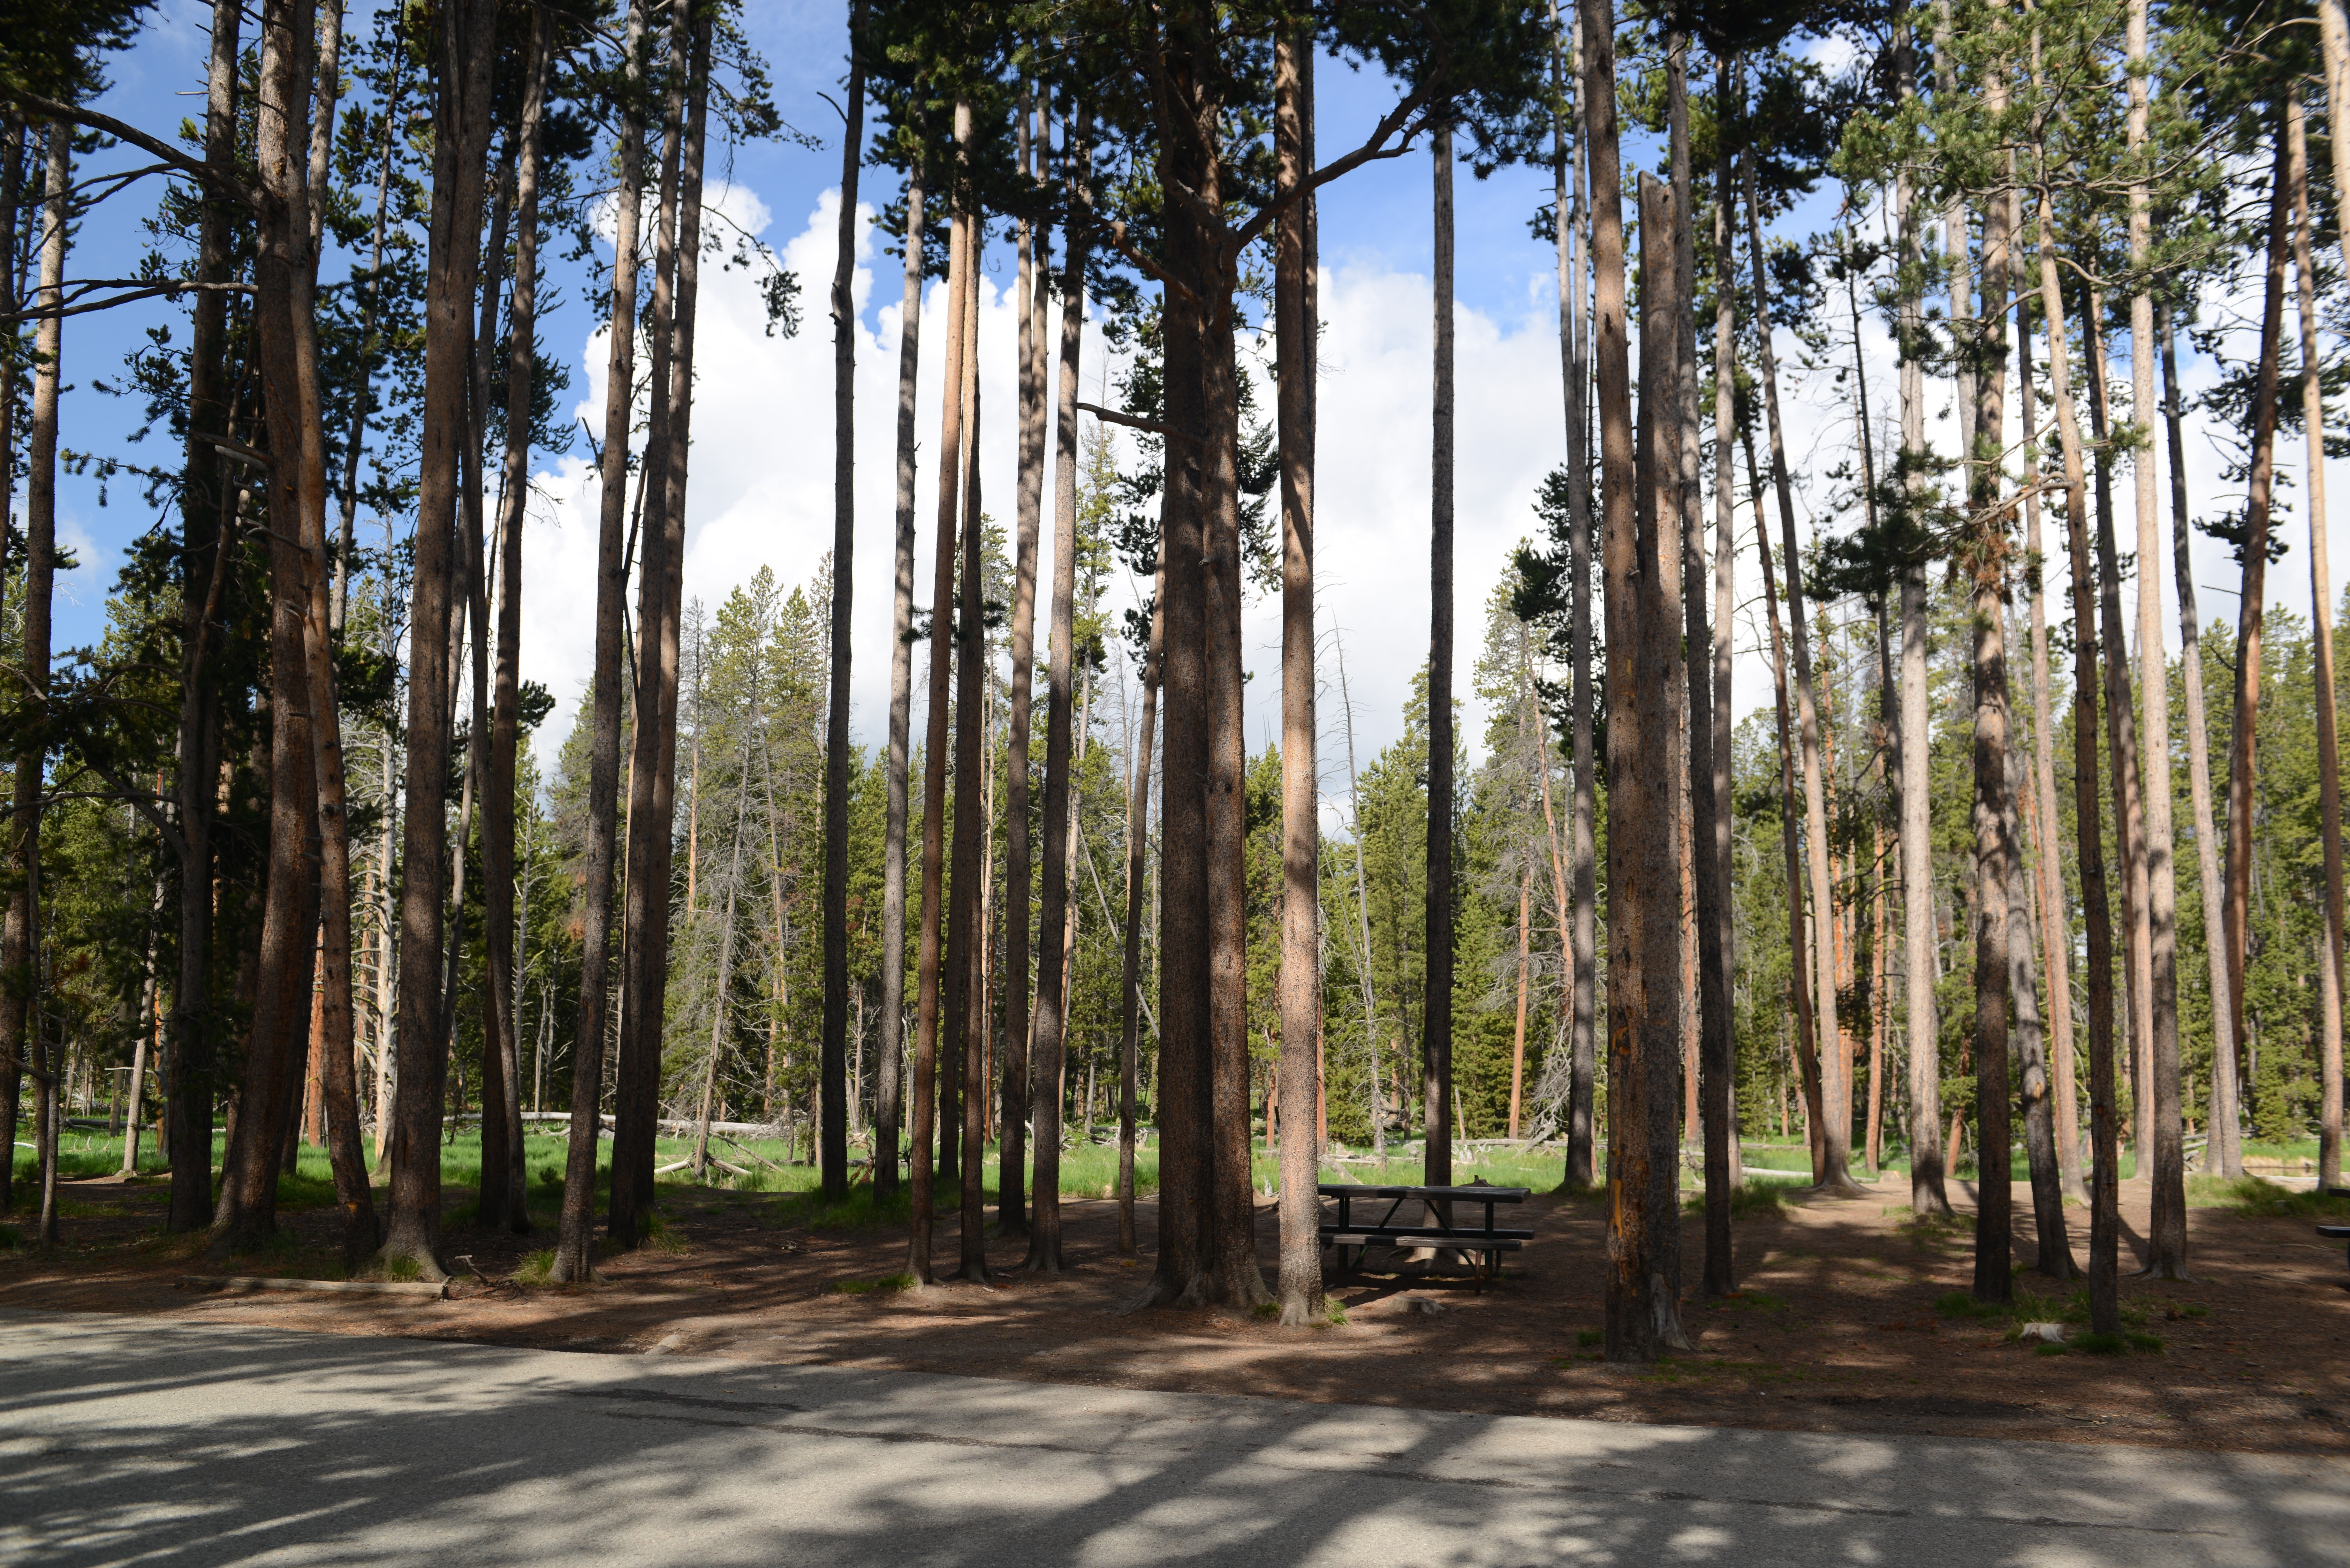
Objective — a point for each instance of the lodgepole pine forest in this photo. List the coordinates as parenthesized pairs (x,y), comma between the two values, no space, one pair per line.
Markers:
(1884,728)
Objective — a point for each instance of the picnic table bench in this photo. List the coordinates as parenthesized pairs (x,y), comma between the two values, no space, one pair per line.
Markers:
(1484,1243)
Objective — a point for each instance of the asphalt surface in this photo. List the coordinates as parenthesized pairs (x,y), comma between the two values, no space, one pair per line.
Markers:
(130,1440)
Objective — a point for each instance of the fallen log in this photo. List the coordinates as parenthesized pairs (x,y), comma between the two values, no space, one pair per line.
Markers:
(241,1283)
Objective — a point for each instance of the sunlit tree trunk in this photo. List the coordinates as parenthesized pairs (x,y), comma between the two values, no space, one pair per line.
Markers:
(1835,1117)
(574,1256)
(1011,1208)
(464,52)
(1049,1024)
(888,1093)
(2329,788)
(835,1091)
(966,916)
(2254,557)
(1436,1028)
(1301,796)
(956,385)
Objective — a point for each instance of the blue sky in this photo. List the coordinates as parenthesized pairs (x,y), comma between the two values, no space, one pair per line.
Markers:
(763,477)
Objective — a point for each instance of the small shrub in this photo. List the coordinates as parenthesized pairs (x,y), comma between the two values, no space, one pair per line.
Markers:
(853,1287)
(1338,1318)
(1587,1338)
(10,1238)
(535,1269)
(402,1267)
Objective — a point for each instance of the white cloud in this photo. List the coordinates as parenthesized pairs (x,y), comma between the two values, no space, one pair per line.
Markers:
(760,491)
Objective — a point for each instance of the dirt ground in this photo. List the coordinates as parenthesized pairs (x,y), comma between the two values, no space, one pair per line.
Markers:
(1836,1327)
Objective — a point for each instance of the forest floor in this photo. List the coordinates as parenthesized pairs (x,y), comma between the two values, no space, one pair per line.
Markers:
(1851,1316)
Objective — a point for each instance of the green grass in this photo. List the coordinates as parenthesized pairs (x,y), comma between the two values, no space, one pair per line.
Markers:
(1587,1338)
(2258,1197)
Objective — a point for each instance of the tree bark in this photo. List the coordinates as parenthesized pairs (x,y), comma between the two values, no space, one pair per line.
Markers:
(2089,843)
(1301,798)
(2243,756)
(888,1093)
(277,1047)
(498,839)
(833,1154)
(573,1255)
(1708,728)
(967,930)
(2056,933)
(1012,1161)
(2223,1152)
(956,385)
(1928,1195)
(19,937)
(1138,848)
(1984,559)
(1049,1024)
(15,143)
(2329,780)
(1583,1044)
(1833,1065)
(1435,1024)
(1807,1061)
(207,503)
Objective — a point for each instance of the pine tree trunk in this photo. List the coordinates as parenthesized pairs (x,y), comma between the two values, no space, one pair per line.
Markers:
(956,385)
(2223,1153)
(1012,1162)
(955,1037)
(1833,1065)
(2105,1174)
(2166,1235)
(1301,800)
(2329,785)
(1984,562)
(1928,1195)
(2054,927)
(1138,847)
(1799,981)
(19,942)
(2334,28)
(574,1248)
(1050,1020)
(833,1155)
(967,930)
(498,839)
(1436,1026)
(14,145)
(465,51)
(208,515)
(1710,748)
(888,1093)
(2255,558)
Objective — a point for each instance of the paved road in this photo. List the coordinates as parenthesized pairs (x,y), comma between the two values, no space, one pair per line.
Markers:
(126,1440)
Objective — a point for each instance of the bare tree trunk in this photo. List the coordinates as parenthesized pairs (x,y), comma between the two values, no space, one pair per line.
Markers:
(2254,557)
(207,508)
(1012,1161)
(19,938)
(1807,1062)
(967,931)
(2056,941)
(653,770)
(1301,800)
(1639,496)
(1984,560)
(1710,742)
(2224,1153)
(13,142)
(1049,1025)
(277,1047)
(1927,1192)
(956,385)
(888,1093)
(2329,782)
(1138,847)
(498,840)
(1436,1025)
(573,1255)
(1583,1044)
(833,1155)
(1833,1065)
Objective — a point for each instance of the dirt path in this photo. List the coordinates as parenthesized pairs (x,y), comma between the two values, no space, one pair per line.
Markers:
(1836,1327)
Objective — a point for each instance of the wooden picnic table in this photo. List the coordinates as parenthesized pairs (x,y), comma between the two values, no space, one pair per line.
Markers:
(1442,1227)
